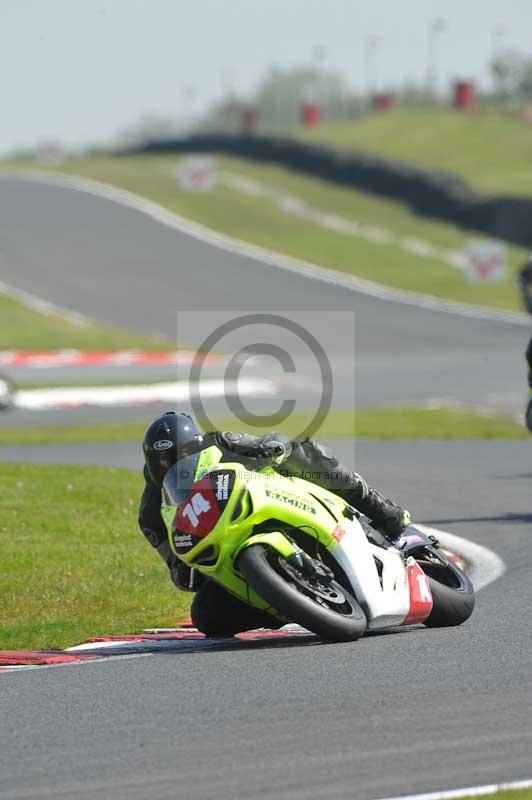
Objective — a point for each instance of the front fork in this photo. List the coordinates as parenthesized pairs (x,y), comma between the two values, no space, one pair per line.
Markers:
(294,555)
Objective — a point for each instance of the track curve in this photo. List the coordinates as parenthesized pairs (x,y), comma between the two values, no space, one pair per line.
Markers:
(392,714)
(118,265)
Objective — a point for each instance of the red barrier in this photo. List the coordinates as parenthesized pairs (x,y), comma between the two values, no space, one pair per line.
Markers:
(249,120)
(465,96)
(383,102)
(311,114)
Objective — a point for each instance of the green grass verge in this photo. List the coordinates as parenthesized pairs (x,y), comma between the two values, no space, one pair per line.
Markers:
(74,563)
(490,149)
(22,327)
(371,423)
(260,221)
(507,794)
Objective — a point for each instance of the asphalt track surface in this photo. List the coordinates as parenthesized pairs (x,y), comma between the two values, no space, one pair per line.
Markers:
(118,265)
(391,714)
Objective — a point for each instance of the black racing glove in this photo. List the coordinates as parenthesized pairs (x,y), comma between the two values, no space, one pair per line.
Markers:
(269,448)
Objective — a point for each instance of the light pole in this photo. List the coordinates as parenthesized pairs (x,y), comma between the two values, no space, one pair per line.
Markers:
(319,54)
(372,79)
(498,34)
(228,95)
(434,31)
(189,94)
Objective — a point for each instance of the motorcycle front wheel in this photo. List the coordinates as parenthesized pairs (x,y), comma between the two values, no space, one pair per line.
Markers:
(323,607)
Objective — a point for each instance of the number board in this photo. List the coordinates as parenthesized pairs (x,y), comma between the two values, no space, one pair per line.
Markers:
(196,517)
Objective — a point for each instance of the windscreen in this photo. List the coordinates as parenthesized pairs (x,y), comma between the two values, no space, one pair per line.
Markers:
(179,479)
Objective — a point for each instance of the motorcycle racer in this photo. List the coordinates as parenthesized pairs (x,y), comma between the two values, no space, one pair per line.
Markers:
(528,412)
(215,611)
(525,284)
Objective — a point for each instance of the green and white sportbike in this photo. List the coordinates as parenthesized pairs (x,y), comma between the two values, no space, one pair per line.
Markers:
(302,554)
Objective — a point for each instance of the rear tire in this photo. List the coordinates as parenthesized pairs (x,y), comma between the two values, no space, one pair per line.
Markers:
(453,594)
(261,568)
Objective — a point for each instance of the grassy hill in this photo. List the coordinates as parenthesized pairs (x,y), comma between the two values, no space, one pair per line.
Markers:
(262,221)
(24,327)
(491,150)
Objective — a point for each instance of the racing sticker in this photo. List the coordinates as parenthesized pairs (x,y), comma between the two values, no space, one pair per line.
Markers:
(163,444)
(339,533)
(196,517)
(222,483)
(296,501)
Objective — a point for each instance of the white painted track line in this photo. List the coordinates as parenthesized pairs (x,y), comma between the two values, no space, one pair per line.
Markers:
(172,392)
(472,791)
(44,306)
(486,566)
(350,227)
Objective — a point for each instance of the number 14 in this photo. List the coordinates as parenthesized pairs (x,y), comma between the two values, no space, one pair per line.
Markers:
(197,506)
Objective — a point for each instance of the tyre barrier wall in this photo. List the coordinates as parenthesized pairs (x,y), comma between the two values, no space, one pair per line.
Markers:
(429,193)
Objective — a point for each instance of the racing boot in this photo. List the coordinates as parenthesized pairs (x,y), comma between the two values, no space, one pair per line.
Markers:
(384,514)
(316,463)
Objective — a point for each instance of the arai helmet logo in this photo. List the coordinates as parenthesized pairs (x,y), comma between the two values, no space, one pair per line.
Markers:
(163,444)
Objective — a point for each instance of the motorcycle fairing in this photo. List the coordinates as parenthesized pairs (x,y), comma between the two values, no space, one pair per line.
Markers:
(390,596)
(385,597)
(386,594)
(420,594)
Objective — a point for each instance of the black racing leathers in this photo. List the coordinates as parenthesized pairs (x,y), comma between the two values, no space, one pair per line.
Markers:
(528,412)
(216,612)
(528,355)
(525,284)
(524,278)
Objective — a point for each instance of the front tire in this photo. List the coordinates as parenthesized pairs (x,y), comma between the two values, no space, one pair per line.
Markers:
(296,601)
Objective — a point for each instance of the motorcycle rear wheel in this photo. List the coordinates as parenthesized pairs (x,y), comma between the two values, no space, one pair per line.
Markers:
(308,603)
(453,594)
